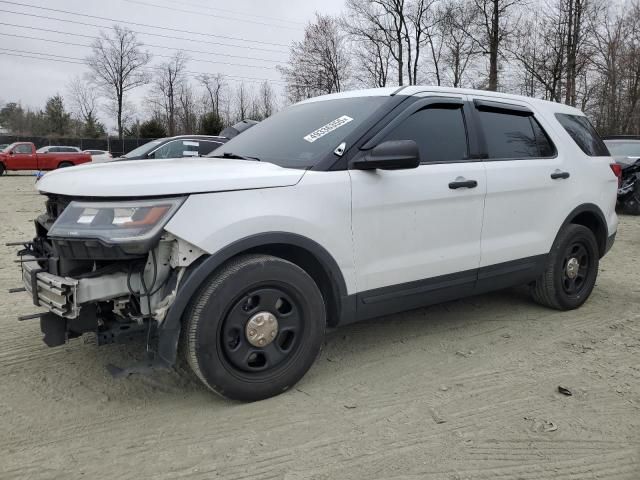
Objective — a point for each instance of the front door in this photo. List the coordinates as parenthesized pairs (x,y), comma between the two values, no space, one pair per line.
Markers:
(417,232)
(22,158)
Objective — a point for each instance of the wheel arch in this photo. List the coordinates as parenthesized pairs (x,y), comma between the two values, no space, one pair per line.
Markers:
(590,216)
(300,250)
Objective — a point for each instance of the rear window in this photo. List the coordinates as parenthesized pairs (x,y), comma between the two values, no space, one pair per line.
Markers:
(512,136)
(583,133)
(624,148)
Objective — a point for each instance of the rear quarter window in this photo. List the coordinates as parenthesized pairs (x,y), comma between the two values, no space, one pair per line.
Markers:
(583,133)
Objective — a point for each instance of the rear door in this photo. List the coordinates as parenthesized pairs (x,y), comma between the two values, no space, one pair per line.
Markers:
(416,232)
(527,182)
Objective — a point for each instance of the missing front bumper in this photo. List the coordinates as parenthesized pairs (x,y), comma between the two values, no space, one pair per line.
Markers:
(56,294)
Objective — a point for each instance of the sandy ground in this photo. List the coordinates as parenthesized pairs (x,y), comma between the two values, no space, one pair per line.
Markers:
(464,390)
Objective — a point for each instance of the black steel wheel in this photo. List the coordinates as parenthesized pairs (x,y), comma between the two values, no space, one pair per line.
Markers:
(571,270)
(575,268)
(262,329)
(255,328)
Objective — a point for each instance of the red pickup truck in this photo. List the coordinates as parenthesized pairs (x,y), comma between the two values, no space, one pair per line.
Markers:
(23,156)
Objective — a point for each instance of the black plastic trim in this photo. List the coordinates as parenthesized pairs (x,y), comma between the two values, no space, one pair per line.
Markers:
(595,210)
(421,293)
(169,330)
(610,241)
(493,106)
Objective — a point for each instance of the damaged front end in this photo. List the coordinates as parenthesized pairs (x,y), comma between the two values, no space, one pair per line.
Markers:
(106,268)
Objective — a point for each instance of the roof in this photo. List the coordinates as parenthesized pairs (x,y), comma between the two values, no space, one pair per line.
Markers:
(415,89)
(199,137)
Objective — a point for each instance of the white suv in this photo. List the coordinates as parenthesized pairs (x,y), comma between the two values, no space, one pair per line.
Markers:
(337,209)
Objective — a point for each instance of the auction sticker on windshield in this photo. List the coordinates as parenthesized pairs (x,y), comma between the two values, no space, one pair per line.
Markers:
(328,128)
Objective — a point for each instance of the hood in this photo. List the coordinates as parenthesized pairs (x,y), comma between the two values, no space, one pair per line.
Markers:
(166,177)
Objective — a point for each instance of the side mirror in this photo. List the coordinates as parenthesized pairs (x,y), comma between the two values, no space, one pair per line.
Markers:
(391,155)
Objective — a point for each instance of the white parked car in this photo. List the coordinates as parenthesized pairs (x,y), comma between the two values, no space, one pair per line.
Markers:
(98,156)
(58,149)
(337,209)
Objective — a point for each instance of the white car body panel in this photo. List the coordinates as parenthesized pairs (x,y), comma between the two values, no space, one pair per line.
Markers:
(150,178)
(101,157)
(383,228)
(408,225)
(318,208)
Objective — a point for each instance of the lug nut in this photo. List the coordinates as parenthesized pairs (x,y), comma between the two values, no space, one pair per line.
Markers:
(252,333)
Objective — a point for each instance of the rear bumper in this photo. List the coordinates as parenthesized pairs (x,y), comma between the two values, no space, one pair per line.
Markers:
(610,242)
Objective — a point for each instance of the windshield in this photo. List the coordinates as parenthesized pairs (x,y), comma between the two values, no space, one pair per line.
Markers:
(301,135)
(627,148)
(143,149)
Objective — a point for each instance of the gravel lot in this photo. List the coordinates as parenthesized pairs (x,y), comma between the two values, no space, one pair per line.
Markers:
(464,390)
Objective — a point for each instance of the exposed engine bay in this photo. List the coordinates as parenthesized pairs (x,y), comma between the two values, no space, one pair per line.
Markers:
(117,290)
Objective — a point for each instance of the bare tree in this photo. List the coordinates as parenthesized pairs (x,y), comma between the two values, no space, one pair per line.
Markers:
(373,60)
(491,31)
(319,63)
(214,86)
(169,78)
(117,66)
(188,110)
(84,103)
(383,22)
(459,49)
(243,101)
(539,49)
(266,101)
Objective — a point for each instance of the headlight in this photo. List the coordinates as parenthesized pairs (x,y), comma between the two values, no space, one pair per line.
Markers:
(115,222)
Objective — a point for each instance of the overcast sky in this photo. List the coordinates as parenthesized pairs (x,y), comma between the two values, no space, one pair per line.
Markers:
(256,32)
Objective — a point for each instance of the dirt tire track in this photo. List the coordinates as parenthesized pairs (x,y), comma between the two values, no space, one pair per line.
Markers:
(455,391)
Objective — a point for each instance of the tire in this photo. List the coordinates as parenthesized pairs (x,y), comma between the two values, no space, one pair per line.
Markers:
(556,288)
(65,164)
(2,169)
(242,294)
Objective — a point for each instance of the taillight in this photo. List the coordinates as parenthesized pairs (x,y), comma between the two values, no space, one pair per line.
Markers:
(617,171)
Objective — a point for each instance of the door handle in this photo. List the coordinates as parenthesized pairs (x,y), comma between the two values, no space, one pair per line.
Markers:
(560,175)
(463,184)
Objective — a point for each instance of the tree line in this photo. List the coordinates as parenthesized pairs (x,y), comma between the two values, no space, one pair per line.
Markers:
(585,53)
(176,102)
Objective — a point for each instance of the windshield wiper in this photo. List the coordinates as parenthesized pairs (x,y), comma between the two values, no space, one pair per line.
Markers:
(236,156)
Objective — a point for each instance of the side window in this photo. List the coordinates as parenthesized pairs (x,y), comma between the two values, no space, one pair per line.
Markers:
(53,150)
(23,149)
(206,148)
(545,146)
(190,148)
(583,133)
(439,132)
(513,136)
(178,149)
